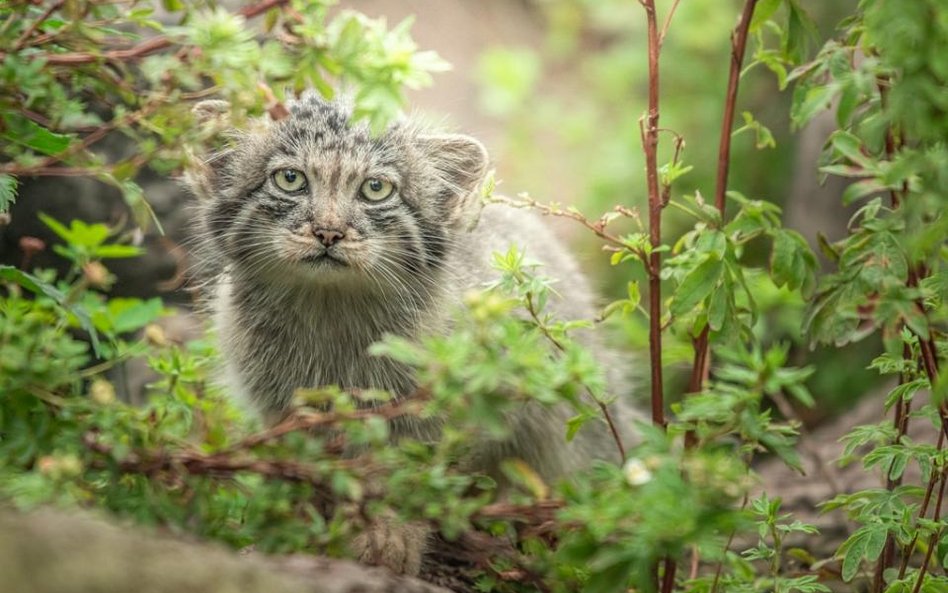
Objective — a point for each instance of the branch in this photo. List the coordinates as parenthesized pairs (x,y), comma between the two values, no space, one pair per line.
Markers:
(598,227)
(534,315)
(655,206)
(701,366)
(36,24)
(143,49)
(668,20)
(935,536)
(650,145)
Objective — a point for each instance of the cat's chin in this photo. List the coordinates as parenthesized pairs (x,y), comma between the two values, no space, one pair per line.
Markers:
(325,270)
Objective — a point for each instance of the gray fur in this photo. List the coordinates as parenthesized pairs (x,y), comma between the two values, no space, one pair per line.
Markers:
(285,323)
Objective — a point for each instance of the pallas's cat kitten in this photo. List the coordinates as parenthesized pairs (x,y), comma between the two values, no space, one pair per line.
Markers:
(325,237)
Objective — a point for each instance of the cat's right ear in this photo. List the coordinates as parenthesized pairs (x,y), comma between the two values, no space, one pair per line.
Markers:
(460,164)
(204,175)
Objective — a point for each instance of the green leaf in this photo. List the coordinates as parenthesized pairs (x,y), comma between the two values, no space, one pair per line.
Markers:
(850,146)
(791,261)
(810,101)
(609,579)
(132,314)
(697,285)
(718,307)
(763,138)
(867,542)
(861,189)
(56,226)
(37,286)
(635,295)
(28,133)
(7,192)
(800,29)
(762,13)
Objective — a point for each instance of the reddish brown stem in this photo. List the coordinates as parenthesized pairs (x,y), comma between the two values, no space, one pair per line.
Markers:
(933,539)
(738,48)
(887,558)
(650,145)
(701,364)
(923,510)
(650,142)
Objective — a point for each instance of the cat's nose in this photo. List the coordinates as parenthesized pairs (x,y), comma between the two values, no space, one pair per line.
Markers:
(328,237)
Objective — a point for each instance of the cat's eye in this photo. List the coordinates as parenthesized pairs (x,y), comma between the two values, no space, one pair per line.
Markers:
(289,180)
(376,190)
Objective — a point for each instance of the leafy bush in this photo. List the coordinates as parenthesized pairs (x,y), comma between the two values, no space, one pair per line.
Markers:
(76,72)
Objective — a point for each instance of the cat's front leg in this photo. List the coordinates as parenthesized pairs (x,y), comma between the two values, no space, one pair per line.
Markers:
(397,545)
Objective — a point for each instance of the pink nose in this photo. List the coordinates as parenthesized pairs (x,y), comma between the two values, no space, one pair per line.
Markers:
(328,237)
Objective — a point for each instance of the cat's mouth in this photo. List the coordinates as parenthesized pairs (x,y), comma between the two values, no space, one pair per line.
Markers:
(325,259)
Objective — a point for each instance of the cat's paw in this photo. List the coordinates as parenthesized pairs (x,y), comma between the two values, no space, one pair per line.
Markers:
(397,546)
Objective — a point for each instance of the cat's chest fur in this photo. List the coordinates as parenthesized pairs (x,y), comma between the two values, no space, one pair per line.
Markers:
(275,341)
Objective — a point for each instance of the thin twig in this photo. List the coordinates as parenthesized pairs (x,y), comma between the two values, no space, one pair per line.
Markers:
(44,167)
(305,421)
(922,511)
(36,24)
(598,227)
(933,539)
(900,423)
(531,308)
(668,20)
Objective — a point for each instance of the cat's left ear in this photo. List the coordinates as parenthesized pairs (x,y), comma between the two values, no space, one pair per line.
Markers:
(461,164)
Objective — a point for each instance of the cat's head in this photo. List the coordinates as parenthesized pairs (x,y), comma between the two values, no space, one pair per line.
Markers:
(317,198)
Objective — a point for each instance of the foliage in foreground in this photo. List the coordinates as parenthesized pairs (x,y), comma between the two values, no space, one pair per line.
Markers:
(189,460)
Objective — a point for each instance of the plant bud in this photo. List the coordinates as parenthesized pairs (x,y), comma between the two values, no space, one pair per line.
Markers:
(155,335)
(102,392)
(96,275)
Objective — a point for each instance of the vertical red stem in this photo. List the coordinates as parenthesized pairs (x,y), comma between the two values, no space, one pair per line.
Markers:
(650,139)
(700,367)
(650,142)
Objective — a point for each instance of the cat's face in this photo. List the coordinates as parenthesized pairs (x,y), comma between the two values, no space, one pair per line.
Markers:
(314,199)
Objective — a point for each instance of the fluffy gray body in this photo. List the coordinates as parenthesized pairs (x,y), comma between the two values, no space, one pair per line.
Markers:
(383,235)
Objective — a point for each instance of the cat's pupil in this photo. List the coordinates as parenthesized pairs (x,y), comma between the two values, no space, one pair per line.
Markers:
(290,176)
(375,185)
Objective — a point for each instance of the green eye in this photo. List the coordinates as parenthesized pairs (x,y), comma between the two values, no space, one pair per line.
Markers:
(289,179)
(376,190)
